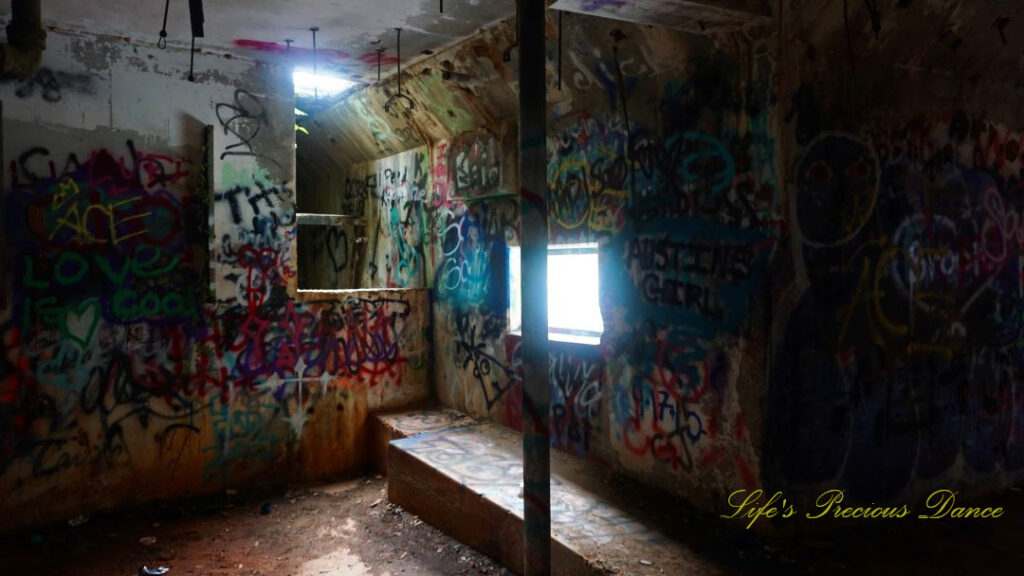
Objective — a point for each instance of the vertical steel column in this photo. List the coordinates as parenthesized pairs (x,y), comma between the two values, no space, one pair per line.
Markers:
(533,235)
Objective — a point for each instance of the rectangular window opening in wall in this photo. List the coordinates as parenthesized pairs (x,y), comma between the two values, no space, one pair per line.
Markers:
(330,231)
(574,313)
(330,251)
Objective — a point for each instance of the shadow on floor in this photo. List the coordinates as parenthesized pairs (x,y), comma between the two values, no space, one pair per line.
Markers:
(349,528)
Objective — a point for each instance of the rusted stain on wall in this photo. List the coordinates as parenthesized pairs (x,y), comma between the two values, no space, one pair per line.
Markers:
(154,342)
(713,270)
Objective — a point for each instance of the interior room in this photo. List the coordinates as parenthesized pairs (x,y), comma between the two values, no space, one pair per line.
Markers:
(327,287)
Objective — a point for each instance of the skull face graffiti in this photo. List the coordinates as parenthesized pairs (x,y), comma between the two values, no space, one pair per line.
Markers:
(837,187)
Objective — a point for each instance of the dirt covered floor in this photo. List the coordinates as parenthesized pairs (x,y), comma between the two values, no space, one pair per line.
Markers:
(326,530)
(350,529)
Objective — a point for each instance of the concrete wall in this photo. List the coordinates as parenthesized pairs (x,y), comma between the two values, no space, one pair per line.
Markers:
(407,200)
(395,206)
(329,254)
(897,303)
(685,238)
(810,260)
(154,344)
(673,394)
(809,255)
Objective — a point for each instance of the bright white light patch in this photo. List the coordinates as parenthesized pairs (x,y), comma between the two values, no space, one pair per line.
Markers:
(572,291)
(321,85)
(574,313)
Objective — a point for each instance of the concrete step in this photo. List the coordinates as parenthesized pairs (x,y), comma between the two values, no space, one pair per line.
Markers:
(385,427)
(466,482)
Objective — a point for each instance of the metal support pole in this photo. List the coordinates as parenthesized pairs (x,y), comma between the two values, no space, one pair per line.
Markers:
(316,95)
(533,236)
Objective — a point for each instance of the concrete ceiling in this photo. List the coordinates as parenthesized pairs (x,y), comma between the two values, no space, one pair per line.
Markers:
(350,32)
(689,15)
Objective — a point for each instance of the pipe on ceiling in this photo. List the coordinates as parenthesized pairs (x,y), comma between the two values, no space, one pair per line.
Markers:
(21,55)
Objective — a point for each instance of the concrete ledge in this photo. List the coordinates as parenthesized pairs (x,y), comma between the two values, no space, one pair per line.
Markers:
(457,511)
(383,428)
(466,482)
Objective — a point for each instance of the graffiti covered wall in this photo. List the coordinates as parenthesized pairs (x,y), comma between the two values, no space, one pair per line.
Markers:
(154,342)
(902,345)
(684,205)
(682,199)
(395,202)
(802,286)
(897,360)
(806,282)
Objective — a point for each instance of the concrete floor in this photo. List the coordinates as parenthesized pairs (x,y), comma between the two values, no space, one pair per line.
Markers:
(349,528)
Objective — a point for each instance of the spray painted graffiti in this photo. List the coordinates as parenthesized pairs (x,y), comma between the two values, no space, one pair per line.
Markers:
(106,266)
(356,193)
(51,85)
(263,193)
(109,338)
(398,222)
(917,265)
(595,166)
(678,403)
(687,217)
(465,258)
(327,256)
(477,355)
(576,392)
(476,167)
(243,118)
(687,222)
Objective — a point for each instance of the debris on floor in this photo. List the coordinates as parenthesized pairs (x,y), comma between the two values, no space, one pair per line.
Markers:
(342,529)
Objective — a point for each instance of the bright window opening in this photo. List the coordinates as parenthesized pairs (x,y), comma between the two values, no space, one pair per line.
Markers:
(308,85)
(574,314)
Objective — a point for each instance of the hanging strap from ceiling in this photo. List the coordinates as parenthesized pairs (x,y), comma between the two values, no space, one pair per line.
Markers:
(162,42)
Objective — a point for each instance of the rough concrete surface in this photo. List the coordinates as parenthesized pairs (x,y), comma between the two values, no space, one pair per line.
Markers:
(348,529)
(383,428)
(343,529)
(466,481)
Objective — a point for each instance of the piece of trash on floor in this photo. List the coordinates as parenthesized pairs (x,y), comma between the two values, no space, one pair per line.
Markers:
(266,508)
(147,571)
(647,563)
(78,520)
(375,503)
(147,540)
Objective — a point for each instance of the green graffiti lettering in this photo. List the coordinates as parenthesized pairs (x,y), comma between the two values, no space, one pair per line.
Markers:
(61,274)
